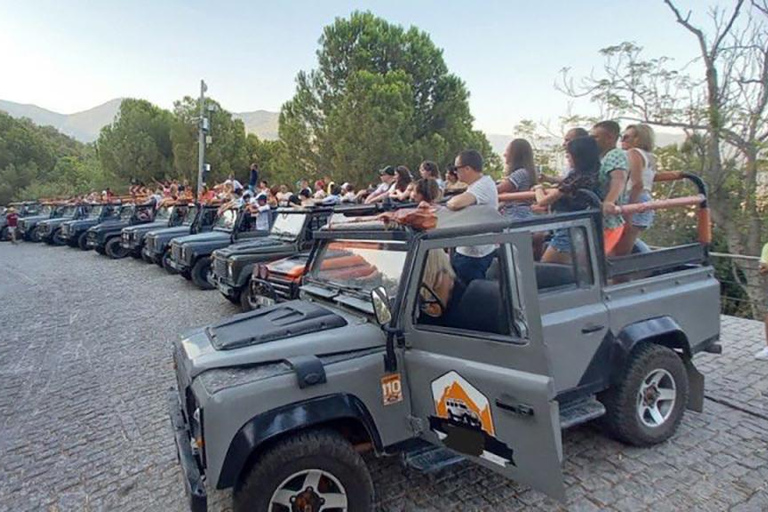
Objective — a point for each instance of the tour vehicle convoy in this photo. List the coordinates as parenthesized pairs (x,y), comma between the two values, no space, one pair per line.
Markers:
(132,238)
(392,352)
(27,226)
(199,218)
(191,254)
(105,238)
(49,230)
(73,232)
(23,209)
(291,232)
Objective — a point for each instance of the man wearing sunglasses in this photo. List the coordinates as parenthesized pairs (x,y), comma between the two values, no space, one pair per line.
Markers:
(472,262)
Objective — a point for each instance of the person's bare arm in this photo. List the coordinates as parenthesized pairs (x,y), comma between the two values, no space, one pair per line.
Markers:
(506,186)
(636,165)
(461,201)
(618,178)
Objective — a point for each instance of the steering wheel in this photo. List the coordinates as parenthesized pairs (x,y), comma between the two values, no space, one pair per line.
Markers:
(432,300)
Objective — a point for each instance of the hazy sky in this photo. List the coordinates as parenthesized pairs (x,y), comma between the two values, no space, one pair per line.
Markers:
(72,55)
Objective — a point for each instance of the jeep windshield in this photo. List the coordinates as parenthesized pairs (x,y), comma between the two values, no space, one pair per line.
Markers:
(126,213)
(355,267)
(68,211)
(226,221)
(164,213)
(45,210)
(95,211)
(189,218)
(288,225)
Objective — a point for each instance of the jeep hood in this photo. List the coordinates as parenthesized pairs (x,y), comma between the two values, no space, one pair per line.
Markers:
(208,236)
(252,246)
(276,333)
(172,232)
(146,226)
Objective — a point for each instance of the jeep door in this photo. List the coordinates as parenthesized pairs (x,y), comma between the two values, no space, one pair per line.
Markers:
(478,375)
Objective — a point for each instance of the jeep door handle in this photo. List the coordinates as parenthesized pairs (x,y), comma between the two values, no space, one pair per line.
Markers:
(523,410)
(589,328)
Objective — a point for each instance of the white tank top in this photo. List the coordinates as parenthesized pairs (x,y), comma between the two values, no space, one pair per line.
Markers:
(649,170)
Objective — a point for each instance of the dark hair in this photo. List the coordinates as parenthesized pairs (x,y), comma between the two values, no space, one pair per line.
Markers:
(471,158)
(611,127)
(305,192)
(585,154)
(403,177)
(521,156)
(428,189)
(431,168)
(578,132)
(335,190)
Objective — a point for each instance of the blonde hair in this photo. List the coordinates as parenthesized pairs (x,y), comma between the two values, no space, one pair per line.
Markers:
(645,136)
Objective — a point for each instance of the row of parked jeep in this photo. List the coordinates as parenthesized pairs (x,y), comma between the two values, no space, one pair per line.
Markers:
(213,249)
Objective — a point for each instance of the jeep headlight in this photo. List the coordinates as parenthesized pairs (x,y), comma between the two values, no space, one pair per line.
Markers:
(183,252)
(231,269)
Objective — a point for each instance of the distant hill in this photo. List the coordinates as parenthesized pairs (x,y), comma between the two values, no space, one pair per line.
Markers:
(260,122)
(85,126)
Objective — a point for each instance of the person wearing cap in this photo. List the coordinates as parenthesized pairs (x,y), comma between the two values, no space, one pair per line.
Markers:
(261,209)
(348,193)
(12,220)
(387,177)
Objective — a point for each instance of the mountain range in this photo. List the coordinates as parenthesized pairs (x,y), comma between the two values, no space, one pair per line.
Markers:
(86,125)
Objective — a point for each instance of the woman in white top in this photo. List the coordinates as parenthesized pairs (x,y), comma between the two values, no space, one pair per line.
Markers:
(637,141)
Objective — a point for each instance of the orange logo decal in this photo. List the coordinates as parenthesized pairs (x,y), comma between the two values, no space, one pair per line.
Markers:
(457,400)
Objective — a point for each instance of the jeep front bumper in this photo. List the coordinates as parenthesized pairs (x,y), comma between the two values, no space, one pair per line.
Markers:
(225,288)
(175,265)
(194,484)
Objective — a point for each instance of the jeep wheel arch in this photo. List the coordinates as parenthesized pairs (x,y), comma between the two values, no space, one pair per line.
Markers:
(338,411)
(663,331)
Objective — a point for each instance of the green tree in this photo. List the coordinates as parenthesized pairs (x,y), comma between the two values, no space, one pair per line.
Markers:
(380,95)
(137,145)
(227,153)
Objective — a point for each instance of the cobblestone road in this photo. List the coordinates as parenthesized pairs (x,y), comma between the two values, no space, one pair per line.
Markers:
(84,364)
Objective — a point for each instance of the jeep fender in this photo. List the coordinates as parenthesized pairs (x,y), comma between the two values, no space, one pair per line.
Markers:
(666,332)
(293,417)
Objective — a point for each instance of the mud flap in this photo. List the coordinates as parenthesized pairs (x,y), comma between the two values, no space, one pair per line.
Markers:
(695,387)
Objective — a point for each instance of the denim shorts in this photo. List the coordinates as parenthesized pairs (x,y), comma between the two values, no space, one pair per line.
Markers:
(561,241)
(643,220)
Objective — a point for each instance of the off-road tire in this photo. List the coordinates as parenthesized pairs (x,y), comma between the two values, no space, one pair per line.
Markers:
(622,420)
(82,241)
(166,263)
(114,250)
(56,238)
(34,235)
(100,250)
(245,298)
(4,236)
(199,273)
(315,449)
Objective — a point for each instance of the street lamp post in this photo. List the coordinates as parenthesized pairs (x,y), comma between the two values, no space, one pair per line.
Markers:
(202,130)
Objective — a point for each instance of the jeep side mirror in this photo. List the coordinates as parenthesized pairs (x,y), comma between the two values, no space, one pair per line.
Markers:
(380,302)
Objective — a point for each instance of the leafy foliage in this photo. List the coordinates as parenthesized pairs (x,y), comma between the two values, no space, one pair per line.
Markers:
(380,95)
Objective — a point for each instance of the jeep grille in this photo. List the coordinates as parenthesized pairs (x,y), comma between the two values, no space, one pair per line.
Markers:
(220,267)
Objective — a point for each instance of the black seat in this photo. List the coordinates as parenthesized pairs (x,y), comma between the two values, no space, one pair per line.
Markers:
(480,309)
(554,275)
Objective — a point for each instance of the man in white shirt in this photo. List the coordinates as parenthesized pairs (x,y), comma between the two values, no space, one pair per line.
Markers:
(387,176)
(260,207)
(472,262)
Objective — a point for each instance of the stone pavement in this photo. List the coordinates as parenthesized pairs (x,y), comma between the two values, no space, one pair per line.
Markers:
(85,361)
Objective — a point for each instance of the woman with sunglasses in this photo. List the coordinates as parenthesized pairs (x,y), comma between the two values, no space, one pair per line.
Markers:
(637,141)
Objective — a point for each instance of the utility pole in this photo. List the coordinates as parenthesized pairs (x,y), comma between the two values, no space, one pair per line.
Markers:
(201,132)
